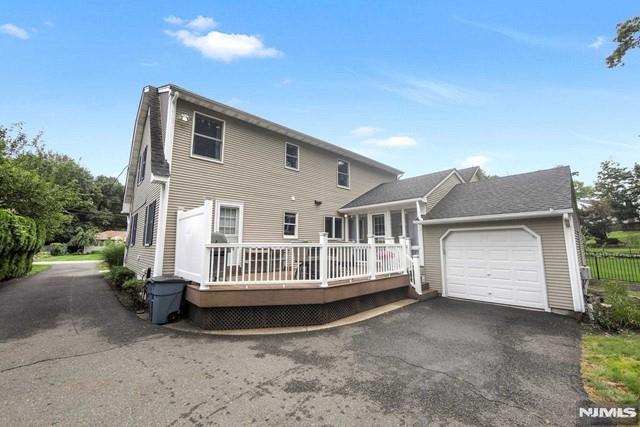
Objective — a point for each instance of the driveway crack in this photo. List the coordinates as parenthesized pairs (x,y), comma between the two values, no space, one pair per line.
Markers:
(71,356)
(473,388)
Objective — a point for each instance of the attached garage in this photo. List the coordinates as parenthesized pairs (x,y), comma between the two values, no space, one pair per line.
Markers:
(501,265)
(512,240)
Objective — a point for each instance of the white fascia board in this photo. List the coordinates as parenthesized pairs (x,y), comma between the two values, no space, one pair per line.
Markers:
(365,208)
(496,217)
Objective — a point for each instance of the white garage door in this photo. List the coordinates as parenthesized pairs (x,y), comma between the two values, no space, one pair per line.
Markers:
(500,266)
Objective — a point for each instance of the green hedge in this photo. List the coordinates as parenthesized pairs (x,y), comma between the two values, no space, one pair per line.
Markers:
(20,239)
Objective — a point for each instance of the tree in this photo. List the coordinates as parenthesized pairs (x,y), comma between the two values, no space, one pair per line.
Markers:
(596,219)
(82,238)
(583,191)
(628,38)
(613,185)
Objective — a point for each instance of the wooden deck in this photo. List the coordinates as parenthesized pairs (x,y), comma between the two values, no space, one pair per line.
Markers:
(290,294)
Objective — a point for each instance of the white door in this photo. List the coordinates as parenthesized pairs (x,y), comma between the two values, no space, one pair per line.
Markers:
(500,266)
(229,223)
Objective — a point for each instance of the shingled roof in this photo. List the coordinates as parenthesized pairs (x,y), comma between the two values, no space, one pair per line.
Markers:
(403,189)
(538,191)
(467,173)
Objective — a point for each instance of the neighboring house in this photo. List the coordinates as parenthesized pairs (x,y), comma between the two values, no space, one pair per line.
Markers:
(105,237)
(197,166)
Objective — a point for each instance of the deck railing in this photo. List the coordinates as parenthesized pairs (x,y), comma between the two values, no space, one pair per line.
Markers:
(303,263)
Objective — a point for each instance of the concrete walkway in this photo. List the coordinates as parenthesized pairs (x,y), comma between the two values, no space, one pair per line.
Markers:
(70,354)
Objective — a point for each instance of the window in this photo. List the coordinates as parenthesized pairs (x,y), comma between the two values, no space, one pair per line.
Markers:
(207,137)
(142,164)
(291,155)
(343,173)
(133,230)
(351,226)
(149,222)
(362,229)
(290,227)
(333,227)
(377,223)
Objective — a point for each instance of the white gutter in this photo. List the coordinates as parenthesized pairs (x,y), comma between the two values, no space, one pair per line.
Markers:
(496,217)
(380,205)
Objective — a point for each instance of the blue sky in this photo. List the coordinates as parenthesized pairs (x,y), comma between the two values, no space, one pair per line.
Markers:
(420,85)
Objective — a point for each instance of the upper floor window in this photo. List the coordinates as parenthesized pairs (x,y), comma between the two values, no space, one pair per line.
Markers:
(291,156)
(207,137)
(142,164)
(343,173)
(290,228)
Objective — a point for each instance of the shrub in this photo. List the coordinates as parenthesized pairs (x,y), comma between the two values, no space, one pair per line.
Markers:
(118,275)
(113,254)
(20,239)
(612,241)
(618,311)
(57,249)
(135,288)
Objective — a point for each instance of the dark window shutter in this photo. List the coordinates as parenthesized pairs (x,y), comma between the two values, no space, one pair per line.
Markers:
(149,224)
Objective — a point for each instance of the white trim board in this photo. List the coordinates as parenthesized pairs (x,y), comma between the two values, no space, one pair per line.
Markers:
(496,217)
(572,261)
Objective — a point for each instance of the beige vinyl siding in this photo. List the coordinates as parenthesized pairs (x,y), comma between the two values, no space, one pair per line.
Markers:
(140,257)
(553,247)
(475,177)
(254,173)
(582,257)
(441,190)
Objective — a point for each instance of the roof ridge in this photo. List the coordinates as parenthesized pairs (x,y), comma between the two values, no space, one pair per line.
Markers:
(493,179)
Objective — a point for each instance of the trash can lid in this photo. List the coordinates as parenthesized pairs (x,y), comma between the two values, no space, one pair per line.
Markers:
(168,279)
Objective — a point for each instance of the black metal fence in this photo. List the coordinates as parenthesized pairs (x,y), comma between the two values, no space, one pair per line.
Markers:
(614,266)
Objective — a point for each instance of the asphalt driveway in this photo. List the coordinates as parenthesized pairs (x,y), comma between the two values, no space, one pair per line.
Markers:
(70,354)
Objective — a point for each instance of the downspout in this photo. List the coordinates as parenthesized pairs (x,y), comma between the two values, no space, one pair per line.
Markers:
(420,237)
(158,265)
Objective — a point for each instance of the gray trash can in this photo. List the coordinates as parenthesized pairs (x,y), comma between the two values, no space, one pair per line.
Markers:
(164,296)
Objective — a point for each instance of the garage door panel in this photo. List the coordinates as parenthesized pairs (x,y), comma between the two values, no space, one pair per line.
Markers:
(500,266)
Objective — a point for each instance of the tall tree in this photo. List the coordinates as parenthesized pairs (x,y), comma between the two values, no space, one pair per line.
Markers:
(583,191)
(596,220)
(613,185)
(627,37)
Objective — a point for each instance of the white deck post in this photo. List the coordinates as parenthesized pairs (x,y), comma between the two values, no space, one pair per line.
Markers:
(372,257)
(324,258)
(417,279)
(207,227)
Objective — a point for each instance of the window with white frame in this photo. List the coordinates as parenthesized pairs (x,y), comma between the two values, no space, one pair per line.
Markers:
(207,137)
(290,225)
(343,173)
(333,227)
(378,228)
(142,164)
(291,156)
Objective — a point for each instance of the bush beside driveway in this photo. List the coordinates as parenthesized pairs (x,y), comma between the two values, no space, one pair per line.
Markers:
(71,354)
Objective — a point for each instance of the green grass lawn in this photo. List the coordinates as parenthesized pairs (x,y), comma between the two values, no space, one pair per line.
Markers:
(599,285)
(35,269)
(630,238)
(45,256)
(611,367)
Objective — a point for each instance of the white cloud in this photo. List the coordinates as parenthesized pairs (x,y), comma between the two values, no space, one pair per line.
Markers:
(477,160)
(434,93)
(522,37)
(598,42)
(365,131)
(392,141)
(202,23)
(217,45)
(14,31)
(173,20)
